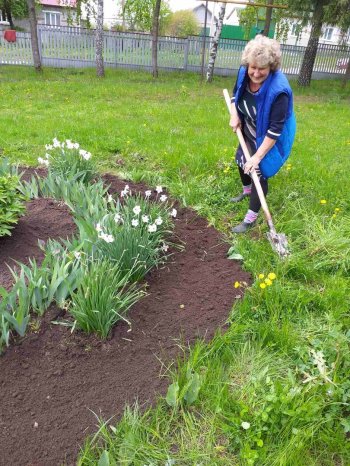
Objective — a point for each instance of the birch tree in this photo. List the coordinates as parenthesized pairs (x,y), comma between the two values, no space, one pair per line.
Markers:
(99,40)
(215,42)
(139,14)
(34,35)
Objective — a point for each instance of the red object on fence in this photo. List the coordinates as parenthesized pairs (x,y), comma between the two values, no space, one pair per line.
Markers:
(10,35)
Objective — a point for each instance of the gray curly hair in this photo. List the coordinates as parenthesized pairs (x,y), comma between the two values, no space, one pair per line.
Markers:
(263,52)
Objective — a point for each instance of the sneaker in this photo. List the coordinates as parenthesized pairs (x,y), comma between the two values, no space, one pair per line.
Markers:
(243,227)
(240,197)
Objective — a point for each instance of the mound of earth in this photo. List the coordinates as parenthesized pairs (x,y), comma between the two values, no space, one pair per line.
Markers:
(52,381)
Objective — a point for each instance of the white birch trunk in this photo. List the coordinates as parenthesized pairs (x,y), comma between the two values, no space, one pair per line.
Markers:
(215,41)
(99,40)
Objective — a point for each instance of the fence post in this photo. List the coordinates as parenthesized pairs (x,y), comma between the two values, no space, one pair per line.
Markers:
(187,47)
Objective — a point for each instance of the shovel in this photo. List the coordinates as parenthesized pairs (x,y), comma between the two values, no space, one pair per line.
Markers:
(278,241)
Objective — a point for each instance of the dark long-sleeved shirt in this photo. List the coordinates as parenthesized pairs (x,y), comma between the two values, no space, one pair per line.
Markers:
(278,114)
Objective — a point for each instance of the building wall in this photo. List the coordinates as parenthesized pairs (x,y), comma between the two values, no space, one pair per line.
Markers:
(331,35)
(47,13)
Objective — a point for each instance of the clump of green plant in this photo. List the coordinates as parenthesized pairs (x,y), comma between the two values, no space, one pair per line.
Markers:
(132,233)
(14,311)
(68,160)
(54,280)
(103,297)
(11,199)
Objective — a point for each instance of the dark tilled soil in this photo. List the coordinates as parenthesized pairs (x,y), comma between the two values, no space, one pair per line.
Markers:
(53,381)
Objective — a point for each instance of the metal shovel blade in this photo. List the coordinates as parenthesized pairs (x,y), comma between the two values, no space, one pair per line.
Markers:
(279,243)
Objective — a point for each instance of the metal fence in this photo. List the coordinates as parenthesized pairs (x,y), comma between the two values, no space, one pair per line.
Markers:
(75,47)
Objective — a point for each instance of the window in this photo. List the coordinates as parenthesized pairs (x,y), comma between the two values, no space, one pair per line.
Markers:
(52,19)
(327,35)
(294,31)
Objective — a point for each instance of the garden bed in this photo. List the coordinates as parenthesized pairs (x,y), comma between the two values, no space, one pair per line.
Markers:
(54,380)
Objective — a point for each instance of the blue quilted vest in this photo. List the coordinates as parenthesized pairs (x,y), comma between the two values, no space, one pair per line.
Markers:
(275,84)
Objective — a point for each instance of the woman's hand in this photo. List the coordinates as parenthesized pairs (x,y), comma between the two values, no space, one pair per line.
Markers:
(252,164)
(235,123)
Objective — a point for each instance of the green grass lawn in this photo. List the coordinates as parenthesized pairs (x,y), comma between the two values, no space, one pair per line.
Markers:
(275,389)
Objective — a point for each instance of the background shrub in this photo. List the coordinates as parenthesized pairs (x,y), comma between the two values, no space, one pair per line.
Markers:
(11,202)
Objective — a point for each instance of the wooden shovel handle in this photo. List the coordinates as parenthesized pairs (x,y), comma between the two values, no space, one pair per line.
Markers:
(254,175)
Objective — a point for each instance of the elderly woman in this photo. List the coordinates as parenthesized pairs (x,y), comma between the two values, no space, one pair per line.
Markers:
(262,106)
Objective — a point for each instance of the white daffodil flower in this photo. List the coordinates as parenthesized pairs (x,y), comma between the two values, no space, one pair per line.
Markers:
(165,247)
(173,213)
(69,144)
(163,198)
(43,161)
(152,228)
(110,198)
(245,425)
(159,189)
(148,194)
(134,222)
(106,238)
(158,221)
(77,255)
(48,147)
(56,142)
(85,154)
(126,191)
(145,218)
(117,218)
(98,227)
(76,145)
(136,209)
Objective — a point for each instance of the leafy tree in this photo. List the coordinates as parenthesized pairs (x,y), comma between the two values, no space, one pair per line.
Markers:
(139,14)
(13,9)
(182,23)
(248,19)
(318,13)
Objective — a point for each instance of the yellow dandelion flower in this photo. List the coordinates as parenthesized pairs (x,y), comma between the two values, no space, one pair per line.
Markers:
(334,216)
(272,276)
(261,276)
(288,168)
(337,209)
(237,285)
(268,282)
(262,285)
(323,201)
